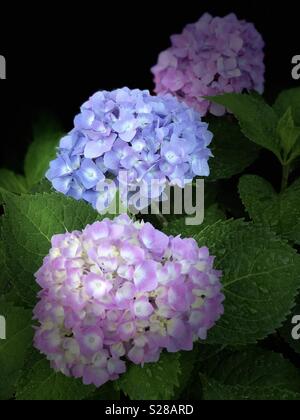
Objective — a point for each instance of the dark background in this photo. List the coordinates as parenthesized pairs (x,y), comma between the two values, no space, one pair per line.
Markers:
(56,59)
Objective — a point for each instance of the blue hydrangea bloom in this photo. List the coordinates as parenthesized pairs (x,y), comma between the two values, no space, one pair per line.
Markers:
(152,139)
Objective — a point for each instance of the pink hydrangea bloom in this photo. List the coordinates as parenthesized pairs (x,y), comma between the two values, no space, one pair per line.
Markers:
(211,57)
(122,291)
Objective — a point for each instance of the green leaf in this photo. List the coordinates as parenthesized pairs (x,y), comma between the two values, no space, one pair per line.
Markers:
(42,187)
(107,392)
(11,296)
(208,351)
(232,151)
(187,361)
(19,334)
(177,226)
(289,98)
(30,223)
(253,367)
(41,383)
(281,212)
(200,355)
(4,273)
(288,133)
(154,381)
(260,280)
(295,154)
(257,119)
(216,391)
(12,182)
(211,191)
(42,151)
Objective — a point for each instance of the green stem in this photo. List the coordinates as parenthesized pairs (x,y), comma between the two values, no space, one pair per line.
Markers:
(160,217)
(285,176)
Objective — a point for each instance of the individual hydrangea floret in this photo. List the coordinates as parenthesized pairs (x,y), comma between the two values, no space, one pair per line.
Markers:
(122,291)
(139,141)
(212,57)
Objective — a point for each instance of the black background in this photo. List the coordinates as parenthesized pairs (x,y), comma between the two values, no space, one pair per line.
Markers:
(57,56)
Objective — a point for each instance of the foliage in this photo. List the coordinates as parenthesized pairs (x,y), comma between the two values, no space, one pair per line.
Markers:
(258,256)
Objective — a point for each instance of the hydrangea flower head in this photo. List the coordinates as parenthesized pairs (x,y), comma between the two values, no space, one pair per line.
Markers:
(122,291)
(211,57)
(134,139)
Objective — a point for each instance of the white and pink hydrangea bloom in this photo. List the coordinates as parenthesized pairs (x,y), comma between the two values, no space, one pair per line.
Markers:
(211,57)
(122,291)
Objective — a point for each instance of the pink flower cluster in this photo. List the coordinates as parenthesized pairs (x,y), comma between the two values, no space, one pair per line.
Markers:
(212,57)
(122,290)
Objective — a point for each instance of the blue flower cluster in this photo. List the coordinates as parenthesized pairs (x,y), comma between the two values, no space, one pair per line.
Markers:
(154,140)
